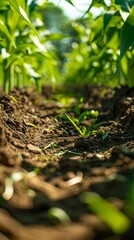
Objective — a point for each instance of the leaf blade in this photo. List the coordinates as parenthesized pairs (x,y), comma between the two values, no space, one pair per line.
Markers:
(4,29)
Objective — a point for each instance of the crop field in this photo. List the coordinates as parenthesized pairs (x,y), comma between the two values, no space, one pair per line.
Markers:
(66,122)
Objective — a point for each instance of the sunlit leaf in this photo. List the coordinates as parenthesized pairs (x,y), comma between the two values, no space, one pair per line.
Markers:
(125,5)
(127,34)
(37,43)
(114,218)
(4,29)
(130,18)
(111,18)
(112,39)
(96,28)
(32,73)
(11,59)
(24,15)
(57,214)
(13,20)
(21,11)
(4,4)
(14,5)
(95,3)
(55,36)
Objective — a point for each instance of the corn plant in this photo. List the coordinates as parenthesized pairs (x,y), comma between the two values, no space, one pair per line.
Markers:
(121,18)
(83,130)
(23,52)
(101,50)
(104,52)
(90,60)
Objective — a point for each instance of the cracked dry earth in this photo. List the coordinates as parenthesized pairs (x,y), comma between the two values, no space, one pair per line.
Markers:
(46,164)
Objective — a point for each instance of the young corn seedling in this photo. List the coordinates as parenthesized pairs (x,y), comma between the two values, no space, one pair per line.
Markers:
(86,114)
(84,131)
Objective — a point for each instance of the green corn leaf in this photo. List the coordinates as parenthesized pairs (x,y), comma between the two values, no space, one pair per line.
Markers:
(125,5)
(4,29)
(14,5)
(96,3)
(24,15)
(96,28)
(74,124)
(31,125)
(11,59)
(69,1)
(127,34)
(114,218)
(55,36)
(18,9)
(111,19)
(130,18)
(4,4)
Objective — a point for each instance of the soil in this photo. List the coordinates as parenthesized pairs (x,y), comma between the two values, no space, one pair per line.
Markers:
(46,165)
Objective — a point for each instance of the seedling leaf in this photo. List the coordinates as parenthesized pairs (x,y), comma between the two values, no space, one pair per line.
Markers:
(115,219)
(31,125)
(75,125)
(13,98)
(15,7)
(24,15)
(57,214)
(4,29)
(127,34)
(14,4)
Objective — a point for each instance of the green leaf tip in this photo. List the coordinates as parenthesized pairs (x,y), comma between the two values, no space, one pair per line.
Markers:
(114,218)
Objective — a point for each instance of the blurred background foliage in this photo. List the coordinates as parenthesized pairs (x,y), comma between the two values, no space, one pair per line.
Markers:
(40,44)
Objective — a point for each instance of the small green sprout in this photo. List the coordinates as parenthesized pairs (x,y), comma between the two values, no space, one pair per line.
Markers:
(31,125)
(85,132)
(75,125)
(51,145)
(57,215)
(94,113)
(86,114)
(13,98)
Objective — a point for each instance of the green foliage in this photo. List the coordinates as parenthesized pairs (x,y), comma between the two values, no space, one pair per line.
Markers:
(103,51)
(83,130)
(115,219)
(38,43)
(57,215)
(25,52)
(122,19)
(90,60)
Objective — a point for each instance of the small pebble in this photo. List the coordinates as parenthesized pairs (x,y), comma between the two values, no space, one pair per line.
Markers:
(33,148)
